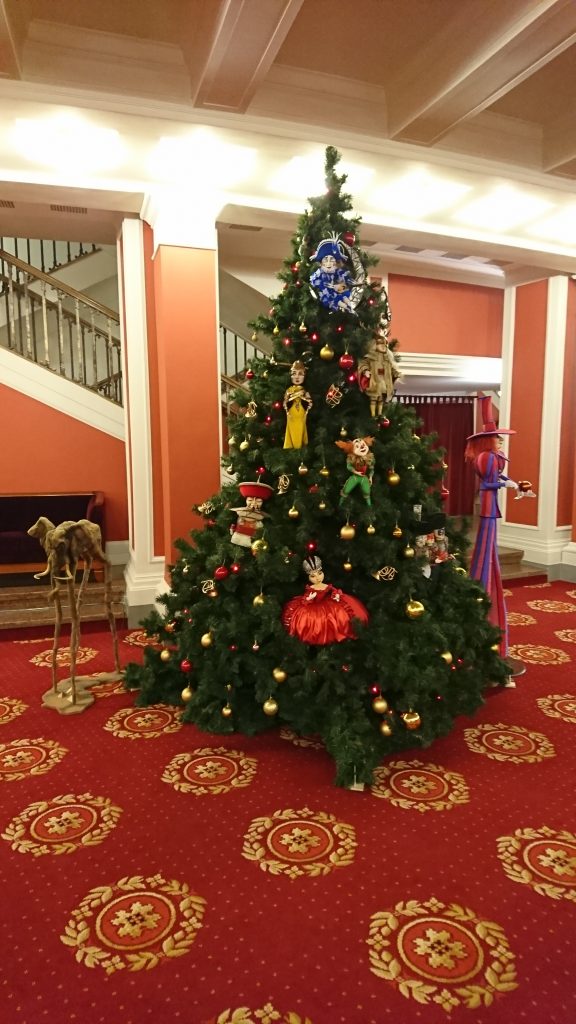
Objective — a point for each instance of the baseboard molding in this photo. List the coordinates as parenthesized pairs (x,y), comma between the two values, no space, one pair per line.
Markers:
(537,549)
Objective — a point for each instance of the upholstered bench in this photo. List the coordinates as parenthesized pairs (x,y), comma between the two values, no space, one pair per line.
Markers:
(18,512)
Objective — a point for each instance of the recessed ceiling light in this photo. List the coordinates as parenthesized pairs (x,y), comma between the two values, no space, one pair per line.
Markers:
(200,160)
(502,209)
(304,176)
(68,143)
(560,227)
(418,194)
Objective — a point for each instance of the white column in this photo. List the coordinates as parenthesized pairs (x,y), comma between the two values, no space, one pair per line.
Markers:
(145,571)
(544,543)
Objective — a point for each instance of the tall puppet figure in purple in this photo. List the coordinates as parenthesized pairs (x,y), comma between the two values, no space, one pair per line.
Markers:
(484,450)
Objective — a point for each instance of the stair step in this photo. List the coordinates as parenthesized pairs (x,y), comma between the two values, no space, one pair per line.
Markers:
(29,606)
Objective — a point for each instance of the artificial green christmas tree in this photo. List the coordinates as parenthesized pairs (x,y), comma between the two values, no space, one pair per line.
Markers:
(381,650)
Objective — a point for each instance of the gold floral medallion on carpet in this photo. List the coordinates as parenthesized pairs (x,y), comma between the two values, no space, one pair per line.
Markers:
(134,924)
(441,954)
(558,607)
(106,688)
(22,758)
(266,1015)
(300,843)
(567,635)
(139,638)
(543,859)
(518,619)
(212,770)
(538,654)
(144,723)
(11,708)
(417,786)
(314,742)
(509,743)
(63,658)
(62,825)
(559,705)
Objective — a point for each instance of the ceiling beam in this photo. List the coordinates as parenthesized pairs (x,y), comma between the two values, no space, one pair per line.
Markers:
(244,41)
(9,50)
(497,50)
(559,143)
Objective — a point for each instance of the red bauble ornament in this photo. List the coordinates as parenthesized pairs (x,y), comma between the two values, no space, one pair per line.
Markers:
(313,489)
(186,665)
(249,374)
(261,470)
(314,338)
(235,567)
(287,342)
(349,237)
(276,405)
(221,572)
(351,378)
(233,647)
(267,420)
(311,546)
(340,328)
(444,493)
(346,361)
(385,422)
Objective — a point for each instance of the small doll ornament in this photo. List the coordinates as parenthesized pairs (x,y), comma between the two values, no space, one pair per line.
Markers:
(333,283)
(360,464)
(250,516)
(297,405)
(323,614)
(378,372)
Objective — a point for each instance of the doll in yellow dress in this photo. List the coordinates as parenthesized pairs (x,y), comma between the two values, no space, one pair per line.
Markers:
(297,404)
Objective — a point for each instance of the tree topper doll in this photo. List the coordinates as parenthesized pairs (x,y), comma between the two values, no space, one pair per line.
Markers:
(297,404)
(360,463)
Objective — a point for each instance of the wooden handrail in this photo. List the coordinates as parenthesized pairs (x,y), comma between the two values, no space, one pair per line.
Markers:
(68,314)
(59,286)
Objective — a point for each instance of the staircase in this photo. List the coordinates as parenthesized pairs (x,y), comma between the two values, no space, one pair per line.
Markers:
(23,606)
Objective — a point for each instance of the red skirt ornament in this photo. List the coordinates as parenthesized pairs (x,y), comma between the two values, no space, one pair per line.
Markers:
(323,616)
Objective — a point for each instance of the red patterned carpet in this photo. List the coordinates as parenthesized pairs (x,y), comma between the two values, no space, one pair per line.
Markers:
(153,873)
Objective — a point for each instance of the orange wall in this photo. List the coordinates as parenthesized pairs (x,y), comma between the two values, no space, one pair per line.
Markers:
(526,395)
(567,477)
(49,451)
(444,317)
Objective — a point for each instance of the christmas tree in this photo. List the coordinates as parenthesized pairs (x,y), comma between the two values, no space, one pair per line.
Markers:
(325,592)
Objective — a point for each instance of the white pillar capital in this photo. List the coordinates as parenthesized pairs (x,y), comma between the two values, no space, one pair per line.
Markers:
(182,217)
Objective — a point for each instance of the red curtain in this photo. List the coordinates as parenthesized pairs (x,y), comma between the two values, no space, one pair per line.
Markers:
(452,418)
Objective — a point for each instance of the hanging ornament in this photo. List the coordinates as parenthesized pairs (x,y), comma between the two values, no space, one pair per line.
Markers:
(414,609)
(409,551)
(293,512)
(396,532)
(254,336)
(371,529)
(249,375)
(338,281)
(170,627)
(326,353)
(206,639)
(302,469)
(360,465)
(347,532)
(385,728)
(283,483)
(185,569)
(380,705)
(393,477)
(212,593)
(244,445)
(276,329)
(322,505)
(235,568)
(221,572)
(346,361)
(386,574)
(297,404)
(347,566)
(185,665)
(250,516)
(324,471)
(259,600)
(411,719)
(302,328)
(349,237)
(334,395)
(343,432)
(226,711)
(270,707)
(187,694)
(447,657)
(255,647)
(251,412)
(279,675)
(165,654)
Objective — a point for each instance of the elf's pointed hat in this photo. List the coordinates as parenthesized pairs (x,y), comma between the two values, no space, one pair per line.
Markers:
(489,428)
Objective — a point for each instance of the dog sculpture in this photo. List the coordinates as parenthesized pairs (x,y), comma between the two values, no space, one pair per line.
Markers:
(65,545)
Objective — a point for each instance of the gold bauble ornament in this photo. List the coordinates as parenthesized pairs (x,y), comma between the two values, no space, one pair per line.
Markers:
(396,532)
(279,674)
(302,469)
(226,711)
(206,639)
(385,728)
(276,329)
(409,551)
(213,593)
(259,600)
(459,569)
(343,432)
(371,529)
(379,705)
(187,694)
(258,546)
(165,655)
(495,647)
(347,566)
(302,328)
(244,445)
(411,719)
(170,627)
(347,532)
(416,437)
(393,478)
(293,512)
(254,336)
(324,471)
(414,609)
(270,707)
(447,657)
(321,505)
(326,353)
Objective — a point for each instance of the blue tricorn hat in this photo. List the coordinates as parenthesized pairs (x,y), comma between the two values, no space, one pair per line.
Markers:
(329,247)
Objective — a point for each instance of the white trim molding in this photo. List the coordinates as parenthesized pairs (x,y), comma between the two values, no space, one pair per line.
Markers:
(537,548)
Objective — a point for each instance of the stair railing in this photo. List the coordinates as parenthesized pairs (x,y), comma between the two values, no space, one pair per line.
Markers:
(56,326)
(47,254)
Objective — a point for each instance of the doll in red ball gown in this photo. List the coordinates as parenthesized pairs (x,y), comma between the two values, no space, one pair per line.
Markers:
(323,614)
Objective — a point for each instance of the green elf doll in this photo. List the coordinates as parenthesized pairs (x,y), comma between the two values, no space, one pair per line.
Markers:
(360,464)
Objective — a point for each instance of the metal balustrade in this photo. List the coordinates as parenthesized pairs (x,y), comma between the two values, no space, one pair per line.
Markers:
(47,255)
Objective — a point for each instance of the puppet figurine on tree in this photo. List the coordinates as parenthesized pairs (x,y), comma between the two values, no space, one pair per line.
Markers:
(484,450)
(323,614)
(297,405)
(378,371)
(360,464)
